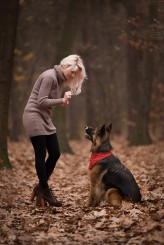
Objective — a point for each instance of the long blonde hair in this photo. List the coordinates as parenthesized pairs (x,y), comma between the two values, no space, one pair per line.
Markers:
(75,63)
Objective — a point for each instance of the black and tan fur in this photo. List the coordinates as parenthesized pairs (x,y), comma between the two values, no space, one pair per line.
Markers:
(110,180)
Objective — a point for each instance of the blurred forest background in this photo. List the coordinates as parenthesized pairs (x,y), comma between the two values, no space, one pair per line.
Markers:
(122,45)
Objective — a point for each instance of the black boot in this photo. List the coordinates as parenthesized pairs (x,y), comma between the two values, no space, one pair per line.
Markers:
(48,196)
(37,189)
(35,192)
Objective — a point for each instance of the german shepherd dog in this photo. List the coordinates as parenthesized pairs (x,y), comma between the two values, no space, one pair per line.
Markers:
(110,180)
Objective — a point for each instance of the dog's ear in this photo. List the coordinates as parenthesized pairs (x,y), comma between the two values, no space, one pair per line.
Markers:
(102,130)
(109,128)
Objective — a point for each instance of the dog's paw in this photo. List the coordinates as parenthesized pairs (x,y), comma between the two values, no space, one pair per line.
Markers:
(92,204)
(89,204)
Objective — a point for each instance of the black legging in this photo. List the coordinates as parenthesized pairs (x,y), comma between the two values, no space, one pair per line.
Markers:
(44,167)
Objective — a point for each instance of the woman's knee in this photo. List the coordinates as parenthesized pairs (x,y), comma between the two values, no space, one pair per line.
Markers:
(53,147)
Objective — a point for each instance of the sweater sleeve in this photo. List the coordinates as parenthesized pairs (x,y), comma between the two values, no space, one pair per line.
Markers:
(44,92)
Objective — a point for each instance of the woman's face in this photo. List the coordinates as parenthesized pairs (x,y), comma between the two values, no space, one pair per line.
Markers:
(69,72)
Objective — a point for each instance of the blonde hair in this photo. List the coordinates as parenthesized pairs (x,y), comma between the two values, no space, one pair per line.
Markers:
(76,64)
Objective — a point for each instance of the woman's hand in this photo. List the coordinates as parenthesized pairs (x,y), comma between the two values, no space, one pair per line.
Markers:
(67,97)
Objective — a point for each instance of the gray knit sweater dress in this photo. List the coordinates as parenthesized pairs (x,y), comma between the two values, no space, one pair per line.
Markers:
(45,94)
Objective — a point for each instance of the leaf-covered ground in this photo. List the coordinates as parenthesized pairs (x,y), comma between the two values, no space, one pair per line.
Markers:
(21,223)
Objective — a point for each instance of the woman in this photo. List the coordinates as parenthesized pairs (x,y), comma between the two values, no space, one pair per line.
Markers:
(37,122)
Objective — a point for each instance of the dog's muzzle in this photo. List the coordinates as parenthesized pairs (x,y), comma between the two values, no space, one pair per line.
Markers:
(88,133)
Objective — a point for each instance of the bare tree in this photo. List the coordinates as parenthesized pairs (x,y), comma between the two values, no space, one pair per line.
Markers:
(65,48)
(140,55)
(9,10)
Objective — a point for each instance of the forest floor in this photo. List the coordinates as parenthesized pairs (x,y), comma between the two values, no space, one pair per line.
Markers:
(74,223)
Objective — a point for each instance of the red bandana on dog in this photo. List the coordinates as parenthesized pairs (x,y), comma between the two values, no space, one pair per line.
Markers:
(96,157)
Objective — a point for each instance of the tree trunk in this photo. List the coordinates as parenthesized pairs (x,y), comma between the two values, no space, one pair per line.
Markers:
(76,117)
(91,35)
(157,103)
(64,49)
(140,78)
(9,10)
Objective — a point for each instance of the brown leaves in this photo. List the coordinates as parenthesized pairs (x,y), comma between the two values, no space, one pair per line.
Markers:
(23,223)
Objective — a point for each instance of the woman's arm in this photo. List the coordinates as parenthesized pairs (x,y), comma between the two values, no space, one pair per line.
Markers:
(44,92)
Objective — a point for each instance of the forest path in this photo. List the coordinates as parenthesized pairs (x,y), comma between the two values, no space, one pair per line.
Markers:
(73,223)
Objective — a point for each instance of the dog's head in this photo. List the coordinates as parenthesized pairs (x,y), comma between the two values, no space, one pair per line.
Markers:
(100,138)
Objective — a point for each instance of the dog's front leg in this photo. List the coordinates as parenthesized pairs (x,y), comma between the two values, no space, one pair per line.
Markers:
(92,201)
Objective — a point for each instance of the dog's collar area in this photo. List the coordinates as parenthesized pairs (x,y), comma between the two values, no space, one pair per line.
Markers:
(96,157)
